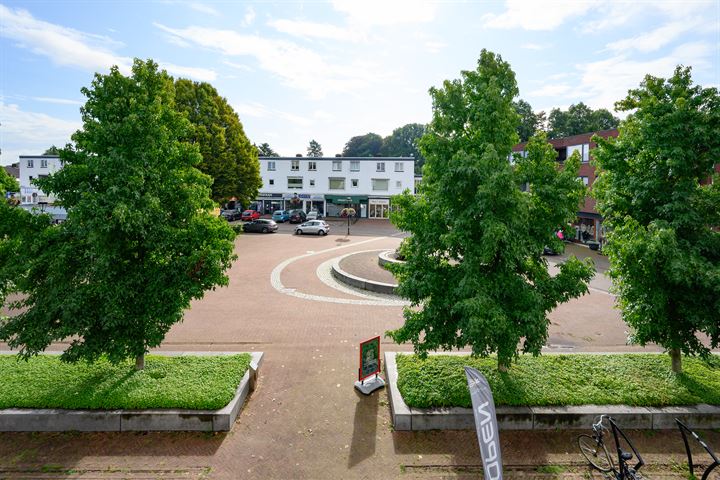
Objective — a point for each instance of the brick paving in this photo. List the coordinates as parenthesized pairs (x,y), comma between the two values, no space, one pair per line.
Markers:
(305,420)
(365,265)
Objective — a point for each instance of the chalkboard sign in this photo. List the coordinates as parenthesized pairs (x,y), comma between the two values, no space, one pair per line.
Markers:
(369,358)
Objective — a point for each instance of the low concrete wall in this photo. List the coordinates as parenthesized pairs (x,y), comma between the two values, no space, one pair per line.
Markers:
(363,283)
(58,420)
(542,418)
(388,256)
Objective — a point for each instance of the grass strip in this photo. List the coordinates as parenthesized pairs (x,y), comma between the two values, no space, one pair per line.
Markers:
(643,380)
(199,383)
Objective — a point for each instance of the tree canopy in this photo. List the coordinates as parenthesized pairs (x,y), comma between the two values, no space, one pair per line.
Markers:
(8,183)
(663,242)
(140,241)
(530,122)
(474,270)
(265,150)
(579,118)
(314,149)
(404,143)
(228,156)
(53,150)
(368,145)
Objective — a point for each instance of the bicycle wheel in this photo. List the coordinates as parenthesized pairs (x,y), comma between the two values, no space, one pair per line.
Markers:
(597,455)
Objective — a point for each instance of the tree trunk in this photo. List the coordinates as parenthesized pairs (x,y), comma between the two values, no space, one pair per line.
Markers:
(140,362)
(676,360)
(503,367)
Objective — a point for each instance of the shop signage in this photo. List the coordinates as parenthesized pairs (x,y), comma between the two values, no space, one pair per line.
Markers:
(379,201)
(485,423)
(269,195)
(368,379)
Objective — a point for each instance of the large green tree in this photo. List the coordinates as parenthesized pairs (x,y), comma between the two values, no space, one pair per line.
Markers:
(314,149)
(8,183)
(663,242)
(530,122)
(404,143)
(228,156)
(474,268)
(579,118)
(140,241)
(368,145)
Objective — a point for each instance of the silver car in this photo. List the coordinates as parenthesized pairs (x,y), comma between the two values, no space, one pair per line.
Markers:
(313,226)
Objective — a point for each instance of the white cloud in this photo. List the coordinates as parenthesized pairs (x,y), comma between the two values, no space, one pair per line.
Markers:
(63,46)
(305,29)
(204,8)
(202,74)
(552,90)
(386,12)
(536,46)
(296,66)
(435,47)
(238,66)
(258,110)
(30,133)
(536,15)
(249,17)
(655,39)
(60,101)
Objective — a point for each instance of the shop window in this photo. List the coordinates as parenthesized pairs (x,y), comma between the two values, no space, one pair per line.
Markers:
(380,184)
(354,166)
(295,165)
(337,184)
(295,182)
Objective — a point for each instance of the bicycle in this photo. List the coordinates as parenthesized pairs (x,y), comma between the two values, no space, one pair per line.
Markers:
(593,448)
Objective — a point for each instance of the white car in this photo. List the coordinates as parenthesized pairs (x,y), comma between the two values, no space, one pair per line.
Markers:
(314,215)
(313,226)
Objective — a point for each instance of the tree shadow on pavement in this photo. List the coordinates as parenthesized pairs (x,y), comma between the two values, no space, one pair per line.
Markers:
(364,428)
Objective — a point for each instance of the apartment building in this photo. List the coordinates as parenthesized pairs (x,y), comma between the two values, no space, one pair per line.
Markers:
(329,184)
(31,168)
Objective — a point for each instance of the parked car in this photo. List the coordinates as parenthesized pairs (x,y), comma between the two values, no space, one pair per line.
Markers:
(314,215)
(261,225)
(297,216)
(281,216)
(231,214)
(250,215)
(313,226)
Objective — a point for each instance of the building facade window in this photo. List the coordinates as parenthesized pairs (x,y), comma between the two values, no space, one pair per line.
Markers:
(336,184)
(337,166)
(295,165)
(380,167)
(295,183)
(354,182)
(585,180)
(271,182)
(271,166)
(43,163)
(312,166)
(398,184)
(399,167)
(354,166)
(312,182)
(380,184)
(30,163)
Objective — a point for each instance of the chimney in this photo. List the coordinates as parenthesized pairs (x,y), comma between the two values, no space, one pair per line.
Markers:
(298,154)
(338,155)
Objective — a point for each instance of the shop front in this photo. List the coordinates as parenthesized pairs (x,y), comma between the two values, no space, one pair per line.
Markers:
(588,228)
(336,203)
(379,208)
(304,201)
(269,202)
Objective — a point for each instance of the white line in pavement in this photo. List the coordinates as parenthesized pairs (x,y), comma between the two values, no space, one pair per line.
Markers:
(278,285)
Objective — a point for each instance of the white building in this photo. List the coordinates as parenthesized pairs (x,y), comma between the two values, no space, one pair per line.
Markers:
(329,184)
(31,168)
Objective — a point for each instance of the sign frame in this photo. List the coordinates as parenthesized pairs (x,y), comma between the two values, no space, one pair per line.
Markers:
(364,346)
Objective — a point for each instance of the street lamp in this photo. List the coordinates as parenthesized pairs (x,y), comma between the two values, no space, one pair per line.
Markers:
(348,211)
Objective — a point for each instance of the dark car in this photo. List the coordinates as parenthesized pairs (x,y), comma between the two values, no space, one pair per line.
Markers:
(297,216)
(260,226)
(231,214)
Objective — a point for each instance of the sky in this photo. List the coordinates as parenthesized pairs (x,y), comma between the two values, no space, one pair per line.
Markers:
(330,70)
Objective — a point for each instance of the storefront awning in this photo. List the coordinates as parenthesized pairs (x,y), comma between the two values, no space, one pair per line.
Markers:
(343,199)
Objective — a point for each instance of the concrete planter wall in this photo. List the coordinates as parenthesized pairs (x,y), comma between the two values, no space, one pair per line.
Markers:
(58,420)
